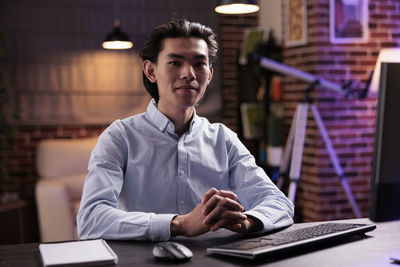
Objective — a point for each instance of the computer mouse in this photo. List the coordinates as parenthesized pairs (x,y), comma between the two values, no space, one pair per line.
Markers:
(172,251)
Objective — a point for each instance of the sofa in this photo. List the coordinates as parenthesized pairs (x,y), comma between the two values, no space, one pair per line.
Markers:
(62,168)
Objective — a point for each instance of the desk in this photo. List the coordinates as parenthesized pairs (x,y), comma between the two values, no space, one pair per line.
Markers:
(374,250)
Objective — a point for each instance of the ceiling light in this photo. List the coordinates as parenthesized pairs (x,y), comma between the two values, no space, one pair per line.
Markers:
(117,39)
(237,7)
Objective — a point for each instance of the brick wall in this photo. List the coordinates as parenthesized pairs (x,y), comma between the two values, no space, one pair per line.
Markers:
(350,122)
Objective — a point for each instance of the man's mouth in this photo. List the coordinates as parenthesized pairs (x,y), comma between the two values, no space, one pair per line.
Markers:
(186,88)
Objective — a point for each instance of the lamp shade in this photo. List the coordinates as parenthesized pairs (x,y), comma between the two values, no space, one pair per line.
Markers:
(237,7)
(385,55)
(117,39)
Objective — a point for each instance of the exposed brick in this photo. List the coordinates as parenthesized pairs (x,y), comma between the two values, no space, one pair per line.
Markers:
(377,17)
(389,44)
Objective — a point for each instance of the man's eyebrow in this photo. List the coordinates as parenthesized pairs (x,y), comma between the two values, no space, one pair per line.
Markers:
(199,56)
(175,56)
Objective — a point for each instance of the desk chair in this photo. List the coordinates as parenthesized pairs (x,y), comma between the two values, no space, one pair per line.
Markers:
(62,168)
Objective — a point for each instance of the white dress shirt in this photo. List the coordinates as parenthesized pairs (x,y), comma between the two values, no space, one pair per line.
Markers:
(142,174)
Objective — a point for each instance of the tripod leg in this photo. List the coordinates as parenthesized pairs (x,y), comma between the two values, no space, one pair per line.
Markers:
(298,145)
(284,167)
(335,161)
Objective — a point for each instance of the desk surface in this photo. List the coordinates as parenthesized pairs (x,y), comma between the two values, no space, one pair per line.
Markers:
(374,250)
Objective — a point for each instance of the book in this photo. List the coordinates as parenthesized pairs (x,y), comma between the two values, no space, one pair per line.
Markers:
(251,38)
(78,253)
(253,120)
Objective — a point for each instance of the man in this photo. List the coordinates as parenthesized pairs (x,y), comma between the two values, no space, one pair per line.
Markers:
(169,172)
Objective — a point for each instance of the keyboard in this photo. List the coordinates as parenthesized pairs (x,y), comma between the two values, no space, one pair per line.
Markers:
(290,239)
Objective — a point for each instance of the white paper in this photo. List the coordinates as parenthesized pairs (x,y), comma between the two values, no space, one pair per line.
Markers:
(77,252)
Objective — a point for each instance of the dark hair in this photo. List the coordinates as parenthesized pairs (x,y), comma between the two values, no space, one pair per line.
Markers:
(175,29)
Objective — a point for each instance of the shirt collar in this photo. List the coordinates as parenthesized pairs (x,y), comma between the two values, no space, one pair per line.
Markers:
(162,122)
(193,122)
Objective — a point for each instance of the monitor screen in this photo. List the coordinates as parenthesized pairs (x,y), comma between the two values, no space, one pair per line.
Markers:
(385,180)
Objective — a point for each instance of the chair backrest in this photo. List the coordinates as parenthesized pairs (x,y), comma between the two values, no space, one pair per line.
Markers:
(63,157)
(62,167)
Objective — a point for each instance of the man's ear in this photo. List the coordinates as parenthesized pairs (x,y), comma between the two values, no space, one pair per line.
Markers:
(149,70)
(210,75)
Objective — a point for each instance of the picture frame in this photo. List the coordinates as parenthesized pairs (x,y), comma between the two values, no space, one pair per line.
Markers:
(295,22)
(348,21)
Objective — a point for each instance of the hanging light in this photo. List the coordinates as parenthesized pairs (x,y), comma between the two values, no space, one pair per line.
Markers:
(237,7)
(117,39)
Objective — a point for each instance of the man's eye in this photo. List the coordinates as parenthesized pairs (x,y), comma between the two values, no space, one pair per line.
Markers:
(201,64)
(174,63)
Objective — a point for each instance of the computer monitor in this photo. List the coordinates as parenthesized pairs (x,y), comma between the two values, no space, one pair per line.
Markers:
(385,179)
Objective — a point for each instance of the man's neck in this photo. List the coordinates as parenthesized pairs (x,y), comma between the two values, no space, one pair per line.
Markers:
(180,118)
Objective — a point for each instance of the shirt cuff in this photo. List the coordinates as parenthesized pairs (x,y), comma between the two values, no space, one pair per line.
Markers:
(160,227)
(268,226)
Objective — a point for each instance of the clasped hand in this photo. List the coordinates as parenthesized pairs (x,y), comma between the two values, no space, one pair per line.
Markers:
(217,209)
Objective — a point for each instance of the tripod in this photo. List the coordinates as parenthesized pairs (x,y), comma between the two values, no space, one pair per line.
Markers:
(294,150)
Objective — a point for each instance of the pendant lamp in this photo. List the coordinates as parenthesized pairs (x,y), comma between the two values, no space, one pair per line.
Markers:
(237,7)
(117,39)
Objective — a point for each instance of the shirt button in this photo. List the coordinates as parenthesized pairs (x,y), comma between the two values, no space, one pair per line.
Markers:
(182,172)
(182,202)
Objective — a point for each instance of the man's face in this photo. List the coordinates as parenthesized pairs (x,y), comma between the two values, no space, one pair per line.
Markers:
(182,72)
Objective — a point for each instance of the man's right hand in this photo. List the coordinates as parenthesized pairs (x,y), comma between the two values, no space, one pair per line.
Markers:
(218,208)
(190,224)
(222,210)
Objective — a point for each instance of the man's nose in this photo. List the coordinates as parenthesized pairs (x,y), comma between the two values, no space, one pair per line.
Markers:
(187,72)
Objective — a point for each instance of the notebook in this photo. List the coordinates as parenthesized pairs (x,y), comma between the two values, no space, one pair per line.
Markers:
(290,240)
(78,253)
